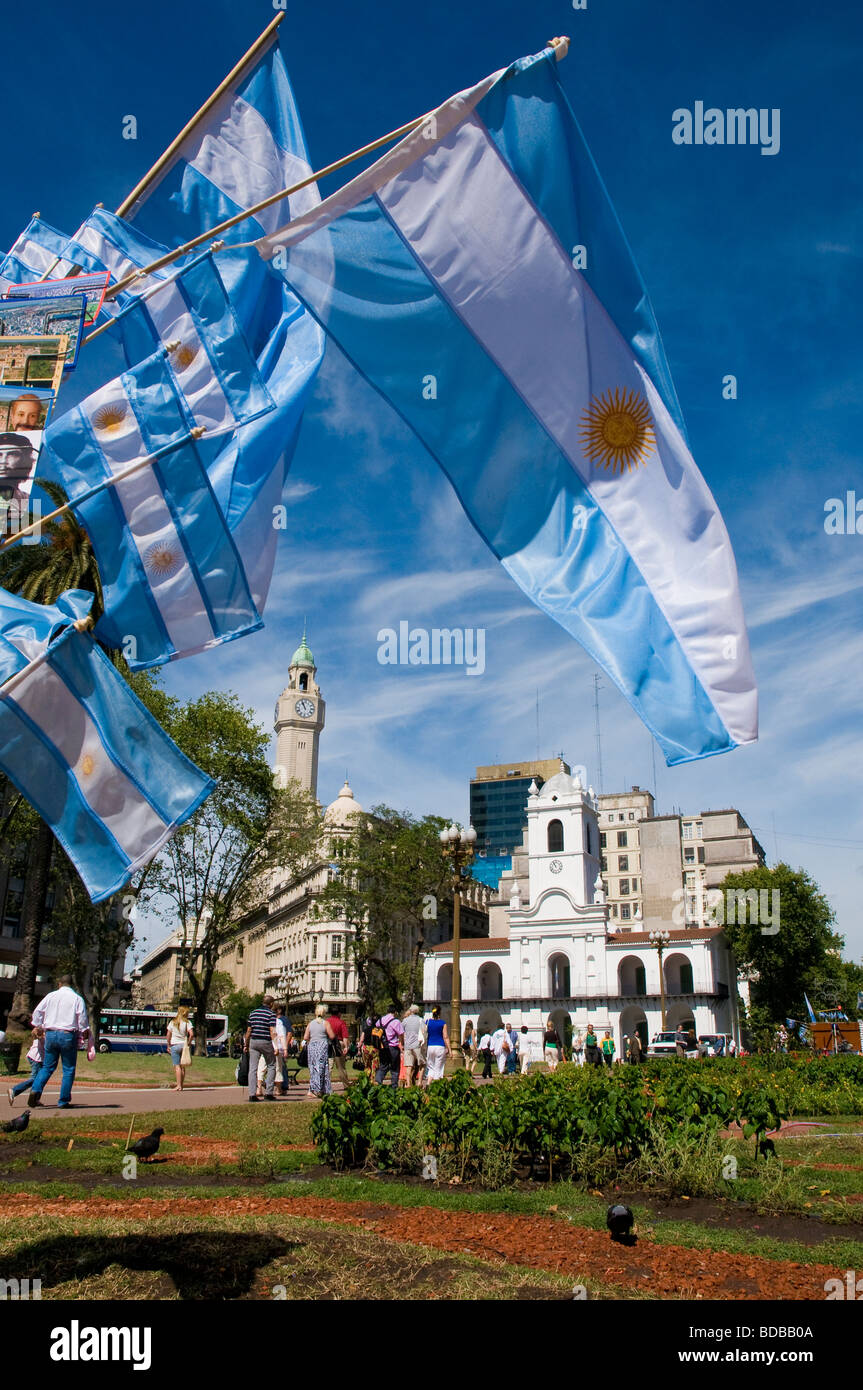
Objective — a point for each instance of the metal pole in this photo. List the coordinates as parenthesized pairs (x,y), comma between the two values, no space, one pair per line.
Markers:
(455,1006)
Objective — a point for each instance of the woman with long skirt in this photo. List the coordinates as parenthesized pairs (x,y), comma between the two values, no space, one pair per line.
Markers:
(317,1038)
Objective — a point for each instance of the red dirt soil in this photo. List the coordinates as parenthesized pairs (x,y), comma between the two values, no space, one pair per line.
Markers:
(538,1242)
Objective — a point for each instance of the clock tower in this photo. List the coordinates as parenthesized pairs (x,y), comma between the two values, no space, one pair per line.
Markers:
(300,714)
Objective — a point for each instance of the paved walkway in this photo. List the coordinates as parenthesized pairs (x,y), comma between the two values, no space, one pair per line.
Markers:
(87,1100)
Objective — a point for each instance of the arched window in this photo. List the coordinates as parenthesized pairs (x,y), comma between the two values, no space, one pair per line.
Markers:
(555,836)
(640,982)
(559,977)
(490,981)
(685,977)
(304,680)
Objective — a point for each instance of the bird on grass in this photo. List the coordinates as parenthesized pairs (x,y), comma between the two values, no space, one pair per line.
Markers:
(147,1147)
(767,1148)
(620,1221)
(18,1125)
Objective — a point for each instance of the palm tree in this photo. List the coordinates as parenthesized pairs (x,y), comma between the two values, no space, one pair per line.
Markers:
(63,559)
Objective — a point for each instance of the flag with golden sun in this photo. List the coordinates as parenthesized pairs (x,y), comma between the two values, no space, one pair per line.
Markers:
(173,582)
(80,746)
(478,277)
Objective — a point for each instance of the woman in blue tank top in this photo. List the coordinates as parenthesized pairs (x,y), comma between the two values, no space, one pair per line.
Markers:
(438,1048)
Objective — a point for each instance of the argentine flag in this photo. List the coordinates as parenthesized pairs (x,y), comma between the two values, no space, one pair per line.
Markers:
(82,749)
(173,582)
(41,251)
(540,387)
(249,146)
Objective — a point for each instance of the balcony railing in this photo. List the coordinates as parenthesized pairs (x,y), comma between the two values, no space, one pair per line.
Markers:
(702,988)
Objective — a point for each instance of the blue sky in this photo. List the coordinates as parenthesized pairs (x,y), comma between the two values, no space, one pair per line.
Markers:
(754,267)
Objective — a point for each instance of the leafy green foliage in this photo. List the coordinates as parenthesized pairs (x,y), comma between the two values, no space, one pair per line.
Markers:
(564,1123)
(392,878)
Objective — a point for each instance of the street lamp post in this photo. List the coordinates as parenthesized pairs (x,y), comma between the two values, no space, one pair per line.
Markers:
(457,846)
(660,940)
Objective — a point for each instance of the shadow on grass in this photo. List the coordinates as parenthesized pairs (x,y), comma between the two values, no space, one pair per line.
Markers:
(217,1266)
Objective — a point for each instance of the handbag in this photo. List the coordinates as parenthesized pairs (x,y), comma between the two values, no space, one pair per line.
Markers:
(185,1055)
(243,1070)
(303,1059)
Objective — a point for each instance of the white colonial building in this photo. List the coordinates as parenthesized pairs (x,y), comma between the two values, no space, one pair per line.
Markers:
(551,952)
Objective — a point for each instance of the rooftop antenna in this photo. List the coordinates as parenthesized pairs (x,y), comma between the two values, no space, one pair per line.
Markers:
(596,690)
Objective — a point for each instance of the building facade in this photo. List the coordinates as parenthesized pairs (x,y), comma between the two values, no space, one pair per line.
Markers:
(554,950)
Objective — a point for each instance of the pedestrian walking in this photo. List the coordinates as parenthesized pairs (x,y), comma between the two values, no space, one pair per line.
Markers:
(260,1043)
(551,1045)
(437,1047)
(392,1034)
(468,1047)
(608,1049)
(317,1038)
(487,1055)
(635,1049)
(340,1045)
(512,1056)
(62,1015)
(368,1051)
(284,1035)
(680,1041)
(414,1038)
(578,1050)
(35,1056)
(591,1048)
(179,1044)
(501,1047)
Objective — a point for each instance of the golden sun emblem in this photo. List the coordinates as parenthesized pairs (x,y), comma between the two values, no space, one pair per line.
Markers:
(108,418)
(616,430)
(184,356)
(162,560)
(88,763)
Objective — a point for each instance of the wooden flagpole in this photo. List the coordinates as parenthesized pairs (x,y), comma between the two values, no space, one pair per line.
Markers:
(233,76)
(561,47)
(115,478)
(80,625)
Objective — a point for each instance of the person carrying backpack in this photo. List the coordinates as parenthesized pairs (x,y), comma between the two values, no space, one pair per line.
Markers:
(389,1045)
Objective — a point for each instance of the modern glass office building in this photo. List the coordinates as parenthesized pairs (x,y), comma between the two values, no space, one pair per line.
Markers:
(498,810)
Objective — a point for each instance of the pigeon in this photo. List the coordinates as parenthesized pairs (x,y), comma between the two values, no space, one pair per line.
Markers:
(148,1146)
(620,1221)
(18,1125)
(767,1148)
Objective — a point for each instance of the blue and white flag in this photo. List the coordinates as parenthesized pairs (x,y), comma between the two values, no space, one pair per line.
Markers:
(173,582)
(483,285)
(40,251)
(809,1009)
(82,749)
(249,147)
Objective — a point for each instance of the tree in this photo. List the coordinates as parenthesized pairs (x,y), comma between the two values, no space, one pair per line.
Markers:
(90,938)
(391,882)
(214,868)
(779,963)
(221,989)
(63,559)
(238,1005)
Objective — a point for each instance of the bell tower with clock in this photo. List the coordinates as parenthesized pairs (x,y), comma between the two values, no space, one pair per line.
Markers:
(300,713)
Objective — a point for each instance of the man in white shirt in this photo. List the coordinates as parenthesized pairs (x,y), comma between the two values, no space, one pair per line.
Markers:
(501,1047)
(487,1054)
(63,1015)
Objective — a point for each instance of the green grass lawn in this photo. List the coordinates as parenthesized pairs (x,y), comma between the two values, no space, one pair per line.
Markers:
(147,1068)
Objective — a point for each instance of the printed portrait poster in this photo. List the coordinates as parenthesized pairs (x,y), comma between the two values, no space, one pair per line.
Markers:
(24,414)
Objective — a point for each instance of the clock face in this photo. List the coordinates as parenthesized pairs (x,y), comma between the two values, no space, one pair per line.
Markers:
(556,866)
(305,709)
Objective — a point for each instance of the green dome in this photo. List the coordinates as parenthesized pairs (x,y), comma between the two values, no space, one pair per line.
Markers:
(302,656)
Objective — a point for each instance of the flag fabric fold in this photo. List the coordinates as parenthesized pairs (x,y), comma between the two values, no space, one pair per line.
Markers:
(83,750)
(249,146)
(478,277)
(173,581)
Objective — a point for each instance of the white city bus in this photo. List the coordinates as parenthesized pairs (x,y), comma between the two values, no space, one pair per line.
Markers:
(145,1030)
